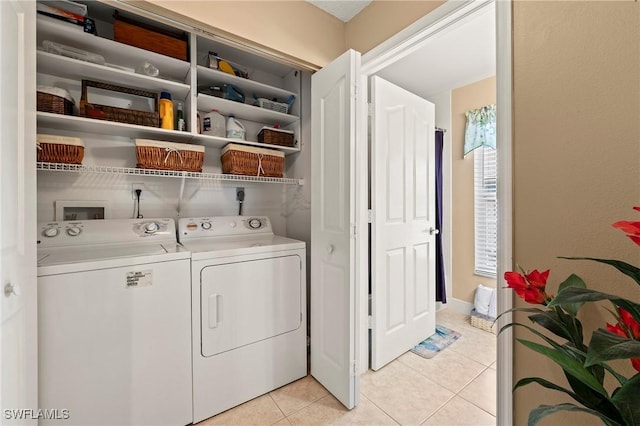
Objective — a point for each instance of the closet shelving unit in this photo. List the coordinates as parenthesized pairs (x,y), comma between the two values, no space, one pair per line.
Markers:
(180,78)
(131,171)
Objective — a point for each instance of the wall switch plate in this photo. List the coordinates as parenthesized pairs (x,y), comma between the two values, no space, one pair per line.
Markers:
(139,186)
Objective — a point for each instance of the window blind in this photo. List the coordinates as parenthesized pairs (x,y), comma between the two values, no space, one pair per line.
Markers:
(486,211)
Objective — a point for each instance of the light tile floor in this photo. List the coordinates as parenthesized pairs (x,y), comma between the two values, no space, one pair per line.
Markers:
(456,387)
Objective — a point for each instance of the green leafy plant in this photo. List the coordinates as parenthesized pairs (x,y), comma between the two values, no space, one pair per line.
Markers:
(584,365)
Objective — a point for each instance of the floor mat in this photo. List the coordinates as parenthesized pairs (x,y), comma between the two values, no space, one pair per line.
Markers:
(442,338)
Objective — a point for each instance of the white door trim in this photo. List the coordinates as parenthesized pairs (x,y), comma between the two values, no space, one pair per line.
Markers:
(405,43)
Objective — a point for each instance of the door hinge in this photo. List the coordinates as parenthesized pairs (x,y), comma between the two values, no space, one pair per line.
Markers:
(370,216)
(370,322)
(354,369)
(369,110)
(354,231)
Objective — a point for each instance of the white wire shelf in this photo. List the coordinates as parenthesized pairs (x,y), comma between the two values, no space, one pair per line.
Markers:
(80,168)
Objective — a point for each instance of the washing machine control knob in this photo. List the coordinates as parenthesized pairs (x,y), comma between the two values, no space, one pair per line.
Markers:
(255,223)
(151,227)
(74,231)
(205,225)
(51,232)
(232,224)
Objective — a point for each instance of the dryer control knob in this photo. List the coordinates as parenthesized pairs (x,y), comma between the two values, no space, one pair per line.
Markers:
(206,225)
(151,227)
(232,224)
(51,232)
(74,231)
(255,223)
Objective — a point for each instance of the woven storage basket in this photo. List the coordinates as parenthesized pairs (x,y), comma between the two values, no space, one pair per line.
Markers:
(59,149)
(273,105)
(54,99)
(121,115)
(251,161)
(276,136)
(161,155)
(484,322)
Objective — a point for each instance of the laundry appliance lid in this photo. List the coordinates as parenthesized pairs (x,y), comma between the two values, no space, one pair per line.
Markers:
(240,245)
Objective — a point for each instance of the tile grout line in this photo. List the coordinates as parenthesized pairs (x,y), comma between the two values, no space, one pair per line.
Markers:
(381,409)
(471,402)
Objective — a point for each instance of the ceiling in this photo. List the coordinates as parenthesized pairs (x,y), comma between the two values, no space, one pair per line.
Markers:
(343,10)
(459,55)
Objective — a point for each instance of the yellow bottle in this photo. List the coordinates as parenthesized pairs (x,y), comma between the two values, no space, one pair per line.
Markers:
(166,111)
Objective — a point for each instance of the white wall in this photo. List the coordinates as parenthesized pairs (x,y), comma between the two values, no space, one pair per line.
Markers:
(201,198)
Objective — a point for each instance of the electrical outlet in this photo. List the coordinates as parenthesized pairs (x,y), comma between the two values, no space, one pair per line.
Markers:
(139,186)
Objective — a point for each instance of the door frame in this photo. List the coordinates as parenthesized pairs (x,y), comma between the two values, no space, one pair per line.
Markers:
(395,48)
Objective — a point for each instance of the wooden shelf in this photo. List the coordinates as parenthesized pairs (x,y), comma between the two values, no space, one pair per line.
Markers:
(112,128)
(218,142)
(249,87)
(61,66)
(112,51)
(244,111)
(133,131)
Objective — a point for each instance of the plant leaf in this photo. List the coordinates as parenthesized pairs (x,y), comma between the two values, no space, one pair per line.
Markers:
(572,281)
(542,411)
(576,294)
(592,400)
(605,346)
(626,399)
(551,322)
(568,364)
(623,267)
(569,352)
(546,384)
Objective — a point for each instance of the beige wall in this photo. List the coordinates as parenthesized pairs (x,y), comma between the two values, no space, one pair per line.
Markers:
(576,156)
(464,280)
(294,28)
(382,19)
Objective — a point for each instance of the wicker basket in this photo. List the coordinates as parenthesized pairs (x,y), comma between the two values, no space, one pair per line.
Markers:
(484,322)
(121,115)
(251,161)
(55,100)
(276,136)
(273,105)
(161,155)
(59,149)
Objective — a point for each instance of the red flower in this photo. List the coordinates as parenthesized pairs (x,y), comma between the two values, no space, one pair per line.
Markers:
(627,327)
(632,229)
(529,287)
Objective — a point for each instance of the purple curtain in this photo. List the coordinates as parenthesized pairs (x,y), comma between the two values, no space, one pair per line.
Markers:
(441,293)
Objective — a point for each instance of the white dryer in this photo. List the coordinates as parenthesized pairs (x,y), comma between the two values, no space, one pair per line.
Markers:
(249,310)
(114,323)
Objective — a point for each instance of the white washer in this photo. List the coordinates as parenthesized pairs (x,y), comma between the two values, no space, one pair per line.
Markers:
(249,310)
(114,322)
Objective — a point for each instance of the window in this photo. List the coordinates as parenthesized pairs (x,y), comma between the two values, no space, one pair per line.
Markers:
(486,211)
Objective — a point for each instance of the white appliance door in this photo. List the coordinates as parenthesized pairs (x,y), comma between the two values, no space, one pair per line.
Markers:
(247,302)
(115,345)
(333,292)
(403,234)
(18,342)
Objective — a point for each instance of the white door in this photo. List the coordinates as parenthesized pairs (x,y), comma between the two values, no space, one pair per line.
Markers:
(18,338)
(333,200)
(403,221)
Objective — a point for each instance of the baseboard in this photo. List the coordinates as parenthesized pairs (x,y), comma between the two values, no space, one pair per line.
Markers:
(460,306)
